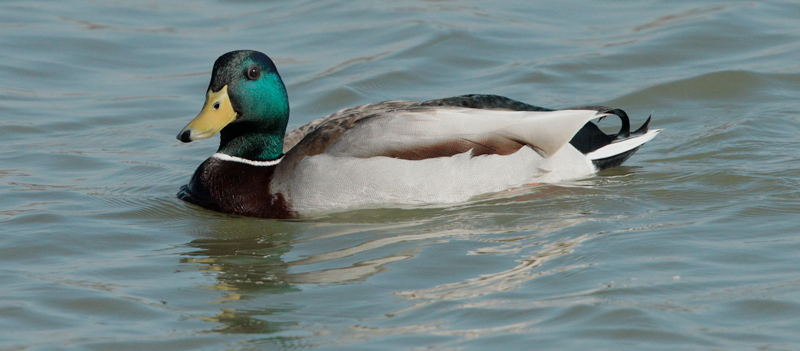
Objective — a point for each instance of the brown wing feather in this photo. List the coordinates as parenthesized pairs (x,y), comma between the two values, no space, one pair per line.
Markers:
(455,147)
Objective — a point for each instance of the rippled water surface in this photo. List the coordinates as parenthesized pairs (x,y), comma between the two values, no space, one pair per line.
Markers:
(691,245)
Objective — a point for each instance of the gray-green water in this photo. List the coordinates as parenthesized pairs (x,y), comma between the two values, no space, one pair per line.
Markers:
(692,245)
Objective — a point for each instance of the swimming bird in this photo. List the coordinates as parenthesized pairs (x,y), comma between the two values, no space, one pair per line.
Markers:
(386,153)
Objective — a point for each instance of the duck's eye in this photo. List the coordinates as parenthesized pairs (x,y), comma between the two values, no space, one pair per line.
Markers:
(253,72)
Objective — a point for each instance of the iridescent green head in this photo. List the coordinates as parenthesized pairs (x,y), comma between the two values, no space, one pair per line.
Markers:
(247,104)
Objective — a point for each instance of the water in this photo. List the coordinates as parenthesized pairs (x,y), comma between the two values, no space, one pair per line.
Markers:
(691,245)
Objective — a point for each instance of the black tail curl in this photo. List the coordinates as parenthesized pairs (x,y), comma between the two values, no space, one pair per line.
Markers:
(591,138)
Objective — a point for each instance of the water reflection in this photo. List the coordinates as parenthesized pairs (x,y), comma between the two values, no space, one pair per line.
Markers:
(245,263)
(503,280)
(252,261)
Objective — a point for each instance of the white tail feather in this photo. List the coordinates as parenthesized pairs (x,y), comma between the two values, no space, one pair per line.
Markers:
(622,146)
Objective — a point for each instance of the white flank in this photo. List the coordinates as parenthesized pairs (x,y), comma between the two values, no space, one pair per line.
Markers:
(226,157)
(619,147)
(352,182)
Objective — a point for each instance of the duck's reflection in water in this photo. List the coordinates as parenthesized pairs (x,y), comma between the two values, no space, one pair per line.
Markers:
(257,258)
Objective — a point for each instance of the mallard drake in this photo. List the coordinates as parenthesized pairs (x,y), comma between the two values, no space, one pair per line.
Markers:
(392,152)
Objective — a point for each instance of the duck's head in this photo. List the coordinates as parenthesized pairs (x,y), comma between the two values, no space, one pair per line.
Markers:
(246,103)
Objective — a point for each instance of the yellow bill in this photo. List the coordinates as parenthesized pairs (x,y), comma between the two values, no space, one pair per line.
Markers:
(216,114)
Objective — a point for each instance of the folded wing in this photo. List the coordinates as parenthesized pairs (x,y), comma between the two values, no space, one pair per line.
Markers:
(438,132)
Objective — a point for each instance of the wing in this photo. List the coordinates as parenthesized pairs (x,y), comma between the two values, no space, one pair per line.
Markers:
(428,132)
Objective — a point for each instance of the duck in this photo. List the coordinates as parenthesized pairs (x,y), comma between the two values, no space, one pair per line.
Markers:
(390,153)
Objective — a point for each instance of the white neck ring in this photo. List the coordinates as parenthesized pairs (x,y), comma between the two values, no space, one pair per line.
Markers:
(226,157)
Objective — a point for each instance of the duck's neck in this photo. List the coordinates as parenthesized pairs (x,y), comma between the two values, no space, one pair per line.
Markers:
(253,141)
